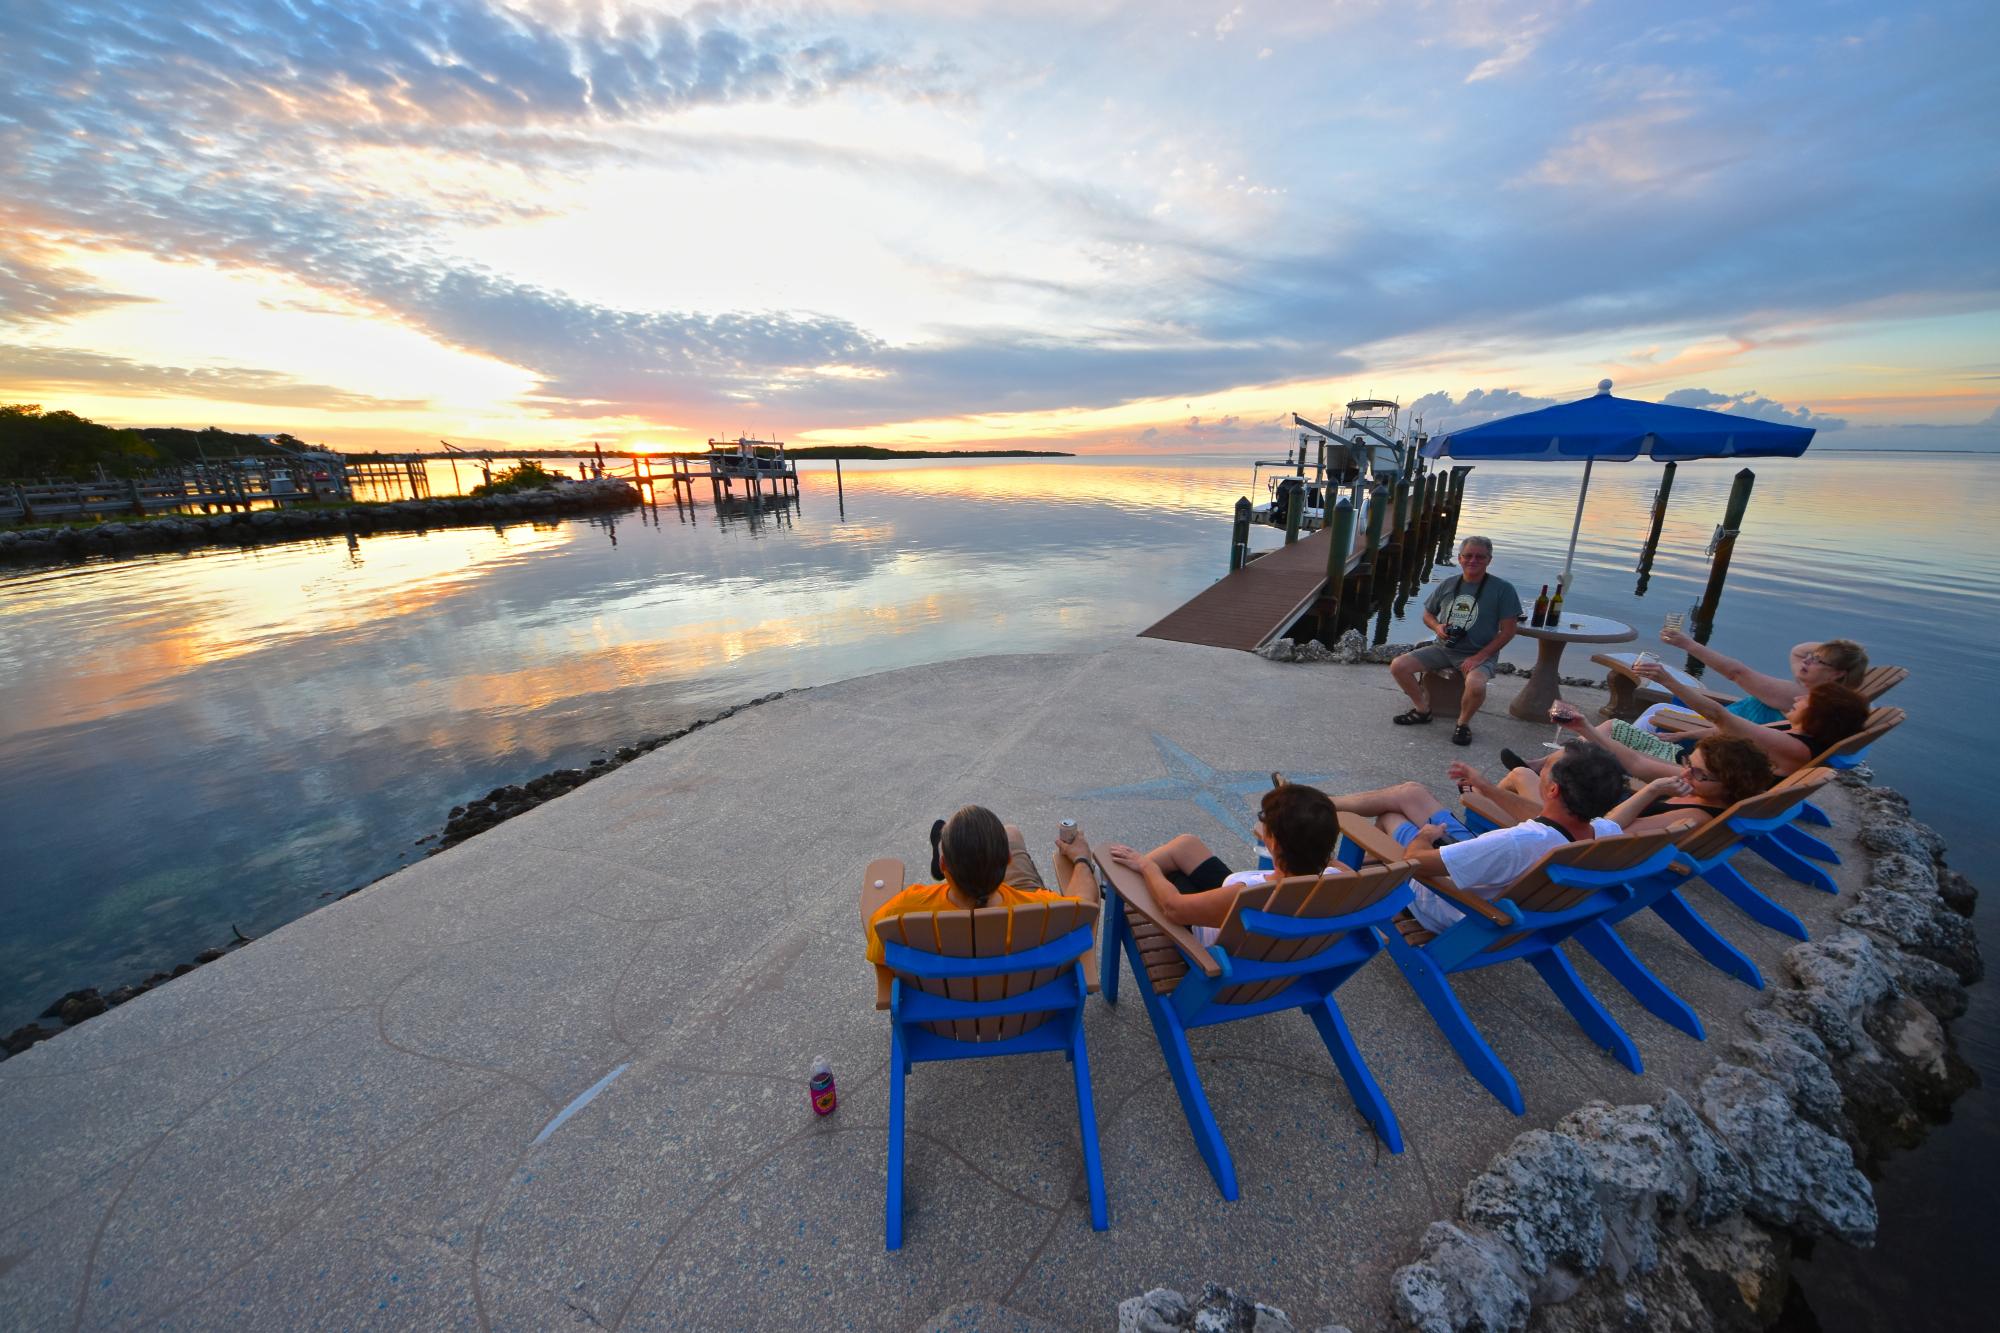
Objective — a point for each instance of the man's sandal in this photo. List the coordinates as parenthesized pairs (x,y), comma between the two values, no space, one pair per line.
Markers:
(1461,735)
(1413,718)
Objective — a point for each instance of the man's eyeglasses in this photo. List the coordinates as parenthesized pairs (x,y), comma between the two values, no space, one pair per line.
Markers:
(1475,557)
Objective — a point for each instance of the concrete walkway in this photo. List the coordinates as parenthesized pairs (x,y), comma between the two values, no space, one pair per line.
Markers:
(359,1121)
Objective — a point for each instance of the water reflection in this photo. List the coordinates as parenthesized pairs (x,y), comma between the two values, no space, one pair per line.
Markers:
(224,737)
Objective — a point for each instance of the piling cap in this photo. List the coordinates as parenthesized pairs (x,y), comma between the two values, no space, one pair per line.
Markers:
(1604,386)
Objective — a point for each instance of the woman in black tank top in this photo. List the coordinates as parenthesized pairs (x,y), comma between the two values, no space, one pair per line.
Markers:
(1720,771)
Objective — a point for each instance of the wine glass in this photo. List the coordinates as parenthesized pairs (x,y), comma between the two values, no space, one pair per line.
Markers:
(1559,712)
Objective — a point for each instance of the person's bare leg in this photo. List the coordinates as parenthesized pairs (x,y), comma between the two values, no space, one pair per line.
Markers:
(1182,853)
(1406,673)
(1021,870)
(1410,801)
(1521,782)
(1474,696)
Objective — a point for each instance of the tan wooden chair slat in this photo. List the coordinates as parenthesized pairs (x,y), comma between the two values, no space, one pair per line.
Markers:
(990,928)
(989,932)
(1297,896)
(1536,892)
(1878,681)
(1242,944)
(954,937)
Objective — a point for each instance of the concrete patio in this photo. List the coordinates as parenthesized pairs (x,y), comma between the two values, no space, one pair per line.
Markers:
(357,1120)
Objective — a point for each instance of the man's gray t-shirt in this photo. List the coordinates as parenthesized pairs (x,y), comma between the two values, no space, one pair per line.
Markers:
(1480,607)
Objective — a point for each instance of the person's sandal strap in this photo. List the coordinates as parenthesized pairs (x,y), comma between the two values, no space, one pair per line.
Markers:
(1461,735)
(1411,718)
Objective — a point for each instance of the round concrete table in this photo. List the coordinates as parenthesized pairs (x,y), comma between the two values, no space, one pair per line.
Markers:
(1542,689)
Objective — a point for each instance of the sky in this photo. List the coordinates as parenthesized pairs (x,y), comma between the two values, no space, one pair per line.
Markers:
(1144,227)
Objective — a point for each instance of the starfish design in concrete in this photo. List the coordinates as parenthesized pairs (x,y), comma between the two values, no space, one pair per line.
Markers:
(1190,779)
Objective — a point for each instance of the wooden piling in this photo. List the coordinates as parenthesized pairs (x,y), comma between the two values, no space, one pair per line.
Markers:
(1659,519)
(1342,522)
(1725,546)
(1239,535)
(1295,511)
(1378,508)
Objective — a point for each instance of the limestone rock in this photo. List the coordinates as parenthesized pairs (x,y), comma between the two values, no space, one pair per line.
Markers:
(1799,1175)
(1958,892)
(1640,1171)
(1840,979)
(1721,1183)
(1539,1197)
(1158,1311)
(1739,1269)
(1931,984)
(1465,1281)
(1278,650)
(1352,648)
(1791,1056)
(1920,924)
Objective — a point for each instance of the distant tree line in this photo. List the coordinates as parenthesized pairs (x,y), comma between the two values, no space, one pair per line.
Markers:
(34,443)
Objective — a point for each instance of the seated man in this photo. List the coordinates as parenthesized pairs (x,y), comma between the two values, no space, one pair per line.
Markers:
(1195,889)
(1766,699)
(1578,787)
(1473,614)
(986,864)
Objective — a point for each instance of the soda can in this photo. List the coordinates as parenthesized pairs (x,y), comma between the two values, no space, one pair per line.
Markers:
(820,1090)
(1066,831)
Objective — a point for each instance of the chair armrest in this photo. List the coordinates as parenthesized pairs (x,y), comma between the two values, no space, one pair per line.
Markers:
(1083,884)
(1375,845)
(889,871)
(1131,887)
(1673,722)
(1488,808)
(1469,903)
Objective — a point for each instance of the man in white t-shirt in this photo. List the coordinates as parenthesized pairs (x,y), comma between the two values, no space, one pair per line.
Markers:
(1578,787)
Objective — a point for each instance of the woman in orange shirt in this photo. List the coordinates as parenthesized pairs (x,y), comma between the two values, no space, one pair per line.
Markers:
(986,864)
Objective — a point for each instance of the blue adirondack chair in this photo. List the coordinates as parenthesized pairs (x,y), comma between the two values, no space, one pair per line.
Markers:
(966,985)
(1566,890)
(1283,946)
(1704,853)
(1789,848)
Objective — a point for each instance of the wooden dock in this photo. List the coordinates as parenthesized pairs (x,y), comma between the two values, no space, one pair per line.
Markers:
(1407,530)
(1252,605)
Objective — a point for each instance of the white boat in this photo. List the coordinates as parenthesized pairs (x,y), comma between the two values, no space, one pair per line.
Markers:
(1368,447)
(747,456)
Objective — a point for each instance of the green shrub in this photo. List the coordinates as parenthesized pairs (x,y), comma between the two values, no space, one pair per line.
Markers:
(526,476)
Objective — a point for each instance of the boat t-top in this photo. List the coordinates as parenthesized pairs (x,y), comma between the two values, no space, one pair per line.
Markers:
(746,456)
(1367,447)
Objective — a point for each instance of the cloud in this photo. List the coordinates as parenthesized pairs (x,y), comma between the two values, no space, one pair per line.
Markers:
(45,292)
(1753,404)
(30,372)
(1440,412)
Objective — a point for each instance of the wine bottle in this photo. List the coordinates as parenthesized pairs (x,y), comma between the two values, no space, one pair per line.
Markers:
(1556,607)
(1541,616)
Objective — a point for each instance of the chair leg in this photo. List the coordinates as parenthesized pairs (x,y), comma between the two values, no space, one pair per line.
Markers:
(1115,927)
(1617,958)
(1745,898)
(1361,1085)
(893,1208)
(1187,1082)
(1812,814)
(1591,1016)
(1086,1111)
(1805,844)
(1437,996)
(1704,940)
(1789,862)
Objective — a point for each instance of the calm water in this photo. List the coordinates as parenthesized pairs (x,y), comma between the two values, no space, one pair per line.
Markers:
(230,737)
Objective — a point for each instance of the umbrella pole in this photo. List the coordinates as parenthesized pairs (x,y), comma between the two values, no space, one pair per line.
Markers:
(1575,527)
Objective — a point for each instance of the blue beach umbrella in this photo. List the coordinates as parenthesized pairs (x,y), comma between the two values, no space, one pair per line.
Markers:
(1620,430)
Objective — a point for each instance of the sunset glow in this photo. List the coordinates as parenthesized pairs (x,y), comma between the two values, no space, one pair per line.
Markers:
(1114,227)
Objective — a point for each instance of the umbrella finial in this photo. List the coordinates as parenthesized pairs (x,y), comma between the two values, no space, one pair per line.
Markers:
(1604,386)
